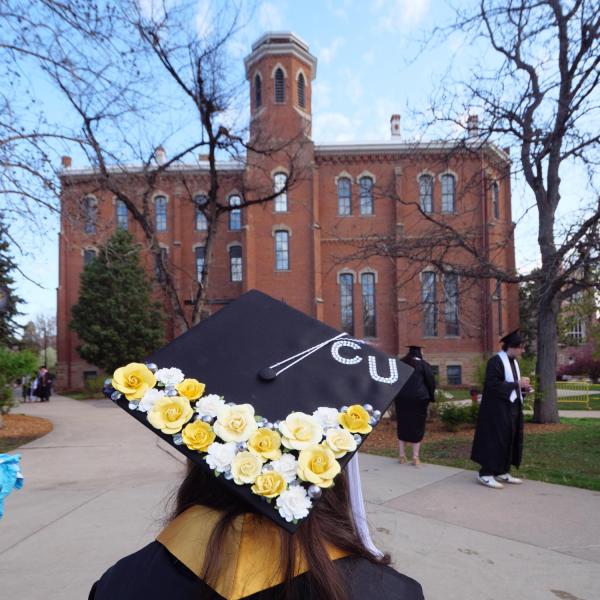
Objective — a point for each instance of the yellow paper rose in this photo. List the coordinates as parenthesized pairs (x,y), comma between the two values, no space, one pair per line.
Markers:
(198,436)
(235,423)
(246,467)
(191,389)
(170,414)
(355,419)
(266,443)
(300,431)
(340,441)
(318,465)
(133,380)
(269,484)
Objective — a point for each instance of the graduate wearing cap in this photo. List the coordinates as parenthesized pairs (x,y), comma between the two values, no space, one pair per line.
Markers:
(269,406)
(498,441)
(412,403)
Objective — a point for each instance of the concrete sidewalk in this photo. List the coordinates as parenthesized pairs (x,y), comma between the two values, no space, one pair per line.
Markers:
(96,489)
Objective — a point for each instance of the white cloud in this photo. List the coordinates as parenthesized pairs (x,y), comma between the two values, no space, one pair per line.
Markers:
(334,127)
(353,85)
(270,16)
(340,8)
(151,9)
(327,53)
(397,14)
(321,96)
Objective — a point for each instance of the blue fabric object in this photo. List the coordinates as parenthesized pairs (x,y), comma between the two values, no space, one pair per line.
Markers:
(11,477)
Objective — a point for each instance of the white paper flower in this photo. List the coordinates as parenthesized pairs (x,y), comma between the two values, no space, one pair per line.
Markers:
(287,465)
(235,423)
(340,442)
(293,504)
(219,456)
(171,376)
(327,417)
(300,431)
(150,397)
(208,406)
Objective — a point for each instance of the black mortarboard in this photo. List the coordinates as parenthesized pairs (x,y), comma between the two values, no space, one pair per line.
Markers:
(261,352)
(513,339)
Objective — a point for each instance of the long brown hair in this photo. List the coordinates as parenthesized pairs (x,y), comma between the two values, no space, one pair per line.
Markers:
(330,521)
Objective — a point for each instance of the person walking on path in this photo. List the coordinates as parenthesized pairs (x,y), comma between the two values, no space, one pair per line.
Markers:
(498,441)
(43,386)
(26,388)
(412,403)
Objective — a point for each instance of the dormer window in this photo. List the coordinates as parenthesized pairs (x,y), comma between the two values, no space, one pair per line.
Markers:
(279,85)
(257,91)
(301,91)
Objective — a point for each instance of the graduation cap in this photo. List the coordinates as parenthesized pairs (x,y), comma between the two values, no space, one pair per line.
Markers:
(272,401)
(512,339)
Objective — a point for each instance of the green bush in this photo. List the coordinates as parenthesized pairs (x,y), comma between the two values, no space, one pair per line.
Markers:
(453,415)
(12,366)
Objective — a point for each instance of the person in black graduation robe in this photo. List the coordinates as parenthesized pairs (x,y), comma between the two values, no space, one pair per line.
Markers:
(412,404)
(498,441)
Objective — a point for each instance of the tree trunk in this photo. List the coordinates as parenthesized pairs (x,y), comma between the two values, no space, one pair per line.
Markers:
(545,409)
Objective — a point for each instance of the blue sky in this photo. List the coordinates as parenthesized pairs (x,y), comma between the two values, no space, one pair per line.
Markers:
(369,66)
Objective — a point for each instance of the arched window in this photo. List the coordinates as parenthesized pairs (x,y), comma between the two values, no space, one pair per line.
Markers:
(366,196)
(367,288)
(279,188)
(301,91)
(347,302)
(235,215)
(122,215)
(200,202)
(344,192)
(235,263)
(429,301)
(451,304)
(448,193)
(160,213)
(279,85)
(90,214)
(257,91)
(282,250)
(426,193)
(496,200)
(200,253)
(88,256)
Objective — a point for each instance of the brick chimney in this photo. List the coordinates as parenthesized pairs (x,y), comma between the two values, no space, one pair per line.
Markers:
(395,126)
(66,162)
(473,126)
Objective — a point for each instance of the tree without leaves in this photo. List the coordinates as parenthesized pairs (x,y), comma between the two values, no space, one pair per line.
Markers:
(542,98)
(115,317)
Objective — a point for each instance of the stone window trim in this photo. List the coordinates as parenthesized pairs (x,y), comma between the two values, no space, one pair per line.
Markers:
(280,227)
(366,173)
(440,177)
(282,194)
(88,249)
(279,169)
(279,66)
(348,272)
(231,245)
(455,175)
(344,175)
(160,194)
(301,95)
(370,271)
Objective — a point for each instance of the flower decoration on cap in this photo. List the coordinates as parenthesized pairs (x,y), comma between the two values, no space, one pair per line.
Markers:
(287,462)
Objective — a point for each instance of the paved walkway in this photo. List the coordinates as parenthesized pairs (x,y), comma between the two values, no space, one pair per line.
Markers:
(97,486)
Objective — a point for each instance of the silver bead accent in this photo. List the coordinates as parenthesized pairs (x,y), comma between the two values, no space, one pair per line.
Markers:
(377,414)
(262,423)
(108,381)
(230,404)
(268,425)
(228,475)
(171,392)
(344,409)
(267,467)
(314,492)
(373,421)
(152,367)
(116,396)
(335,352)
(241,446)
(206,419)
(357,438)
(368,408)
(178,439)
(133,406)
(377,377)
(276,424)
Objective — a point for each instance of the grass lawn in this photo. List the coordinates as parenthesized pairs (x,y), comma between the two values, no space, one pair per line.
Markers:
(594,404)
(570,456)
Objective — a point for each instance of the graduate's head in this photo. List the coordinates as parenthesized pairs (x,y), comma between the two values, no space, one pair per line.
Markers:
(512,343)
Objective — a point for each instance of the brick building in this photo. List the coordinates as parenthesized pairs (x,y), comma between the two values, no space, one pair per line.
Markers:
(304,246)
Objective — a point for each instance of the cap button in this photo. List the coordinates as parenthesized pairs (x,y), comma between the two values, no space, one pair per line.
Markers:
(267,374)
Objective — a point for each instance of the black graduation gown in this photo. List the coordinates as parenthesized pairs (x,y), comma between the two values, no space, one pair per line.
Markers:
(498,440)
(412,402)
(153,573)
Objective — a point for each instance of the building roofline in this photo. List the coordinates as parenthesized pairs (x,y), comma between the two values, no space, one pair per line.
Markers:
(277,43)
(408,147)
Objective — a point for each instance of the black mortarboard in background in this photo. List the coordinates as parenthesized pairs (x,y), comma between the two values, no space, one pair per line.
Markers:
(512,339)
(234,353)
